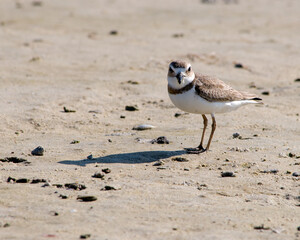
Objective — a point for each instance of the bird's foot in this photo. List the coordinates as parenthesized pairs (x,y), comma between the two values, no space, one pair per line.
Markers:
(196,150)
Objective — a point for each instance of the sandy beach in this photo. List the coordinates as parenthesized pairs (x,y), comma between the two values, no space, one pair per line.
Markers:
(68,69)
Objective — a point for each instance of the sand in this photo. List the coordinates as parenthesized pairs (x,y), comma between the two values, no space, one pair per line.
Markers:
(96,57)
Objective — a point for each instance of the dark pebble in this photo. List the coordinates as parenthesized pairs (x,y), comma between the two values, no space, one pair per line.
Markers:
(53,213)
(298,228)
(265,93)
(235,135)
(58,185)
(86,198)
(297,80)
(39,151)
(10,179)
(63,196)
(108,188)
(274,171)
(6,225)
(75,186)
(90,157)
(98,175)
(66,110)
(74,142)
(131,108)
(227,174)
(113,32)
(133,82)
(38,180)
(296,174)
(22,180)
(122,116)
(261,227)
(238,65)
(160,140)
(180,159)
(13,160)
(106,170)
(161,168)
(37,3)
(158,163)
(178,35)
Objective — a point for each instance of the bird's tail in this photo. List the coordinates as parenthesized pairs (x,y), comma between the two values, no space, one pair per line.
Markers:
(252,97)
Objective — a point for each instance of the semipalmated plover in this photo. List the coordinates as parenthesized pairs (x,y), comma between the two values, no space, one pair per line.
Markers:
(200,94)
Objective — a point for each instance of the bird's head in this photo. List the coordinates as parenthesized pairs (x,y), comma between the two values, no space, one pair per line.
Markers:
(180,74)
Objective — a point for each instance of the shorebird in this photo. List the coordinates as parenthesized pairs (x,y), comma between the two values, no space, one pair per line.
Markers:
(200,94)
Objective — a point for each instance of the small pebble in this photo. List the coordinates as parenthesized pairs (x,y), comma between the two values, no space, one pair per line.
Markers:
(74,142)
(265,93)
(39,151)
(160,140)
(227,174)
(298,228)
(143,127)
(274,171)
(113,32)
(238,65)
(108,188)
(58,185)
(178,35)
(98,175)
(63,196)
(6,225)
(296,174)
(122,116)
(235,135)
(14,160)
(10,179)
(75,186)
(180,159)
(106,170)
(158,163)
(37,3)
(90,157)
(178,114)
(131,108)
(261,227)
(34,181)
(46,185)
(133,82)
(66,110)
(22,180)
(297,80)
(86,198)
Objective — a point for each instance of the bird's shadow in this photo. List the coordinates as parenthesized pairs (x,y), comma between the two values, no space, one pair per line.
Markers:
(127,158)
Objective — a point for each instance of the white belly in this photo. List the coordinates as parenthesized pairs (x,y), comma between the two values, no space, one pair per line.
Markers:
(190,102)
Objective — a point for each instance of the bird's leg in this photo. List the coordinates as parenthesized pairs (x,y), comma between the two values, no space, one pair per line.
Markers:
(200,148)
(213,128)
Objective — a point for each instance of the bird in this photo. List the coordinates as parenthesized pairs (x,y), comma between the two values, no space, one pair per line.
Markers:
(202,94)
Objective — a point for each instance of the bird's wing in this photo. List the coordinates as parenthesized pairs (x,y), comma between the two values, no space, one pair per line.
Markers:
(214,90)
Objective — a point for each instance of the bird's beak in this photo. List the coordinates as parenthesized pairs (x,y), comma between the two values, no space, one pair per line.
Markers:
(179,77)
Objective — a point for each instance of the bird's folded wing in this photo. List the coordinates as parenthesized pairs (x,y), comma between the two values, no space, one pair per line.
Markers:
(214,90)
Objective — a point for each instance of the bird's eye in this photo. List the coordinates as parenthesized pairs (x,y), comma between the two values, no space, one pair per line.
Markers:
(171,70)
(189,69)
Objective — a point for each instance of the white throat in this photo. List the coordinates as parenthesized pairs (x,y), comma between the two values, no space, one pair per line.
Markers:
(173,82)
